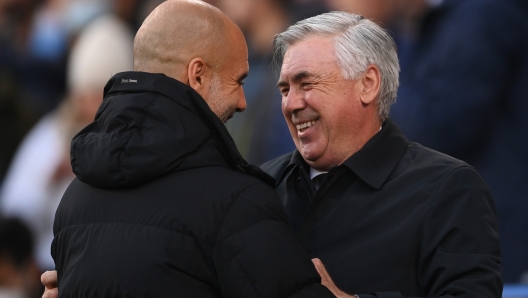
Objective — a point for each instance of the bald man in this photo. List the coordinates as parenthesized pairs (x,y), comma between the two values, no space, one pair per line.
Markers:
(163,204)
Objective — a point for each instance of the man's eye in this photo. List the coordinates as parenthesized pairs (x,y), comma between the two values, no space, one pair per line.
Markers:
(306,85)
(284,91)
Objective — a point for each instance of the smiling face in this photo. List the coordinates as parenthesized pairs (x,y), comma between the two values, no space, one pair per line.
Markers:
(330,118)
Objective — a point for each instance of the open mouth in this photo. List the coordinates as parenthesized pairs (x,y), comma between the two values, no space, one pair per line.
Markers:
(304,126)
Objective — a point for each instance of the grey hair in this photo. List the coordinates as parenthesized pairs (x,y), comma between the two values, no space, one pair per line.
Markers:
(359,43)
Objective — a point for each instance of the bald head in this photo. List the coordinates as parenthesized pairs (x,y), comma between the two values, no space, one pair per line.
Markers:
(178,31)
(198,45)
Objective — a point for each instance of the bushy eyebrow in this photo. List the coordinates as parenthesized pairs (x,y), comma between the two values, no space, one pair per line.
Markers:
(296,78)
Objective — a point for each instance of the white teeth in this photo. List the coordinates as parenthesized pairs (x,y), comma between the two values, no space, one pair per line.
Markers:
(305,125)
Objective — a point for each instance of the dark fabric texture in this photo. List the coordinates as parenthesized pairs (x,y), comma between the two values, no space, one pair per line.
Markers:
(464,93)
(396,219)
(164,206)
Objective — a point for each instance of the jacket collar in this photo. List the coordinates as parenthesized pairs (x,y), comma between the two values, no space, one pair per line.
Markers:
(183,95)
(374,162)
(136,82)
(377,159)
(202,135)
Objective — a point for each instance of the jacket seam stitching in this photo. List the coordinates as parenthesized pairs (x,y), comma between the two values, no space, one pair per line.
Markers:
(120,223)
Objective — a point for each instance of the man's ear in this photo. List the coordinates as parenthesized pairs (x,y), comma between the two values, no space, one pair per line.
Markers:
(370,84)
(199,76)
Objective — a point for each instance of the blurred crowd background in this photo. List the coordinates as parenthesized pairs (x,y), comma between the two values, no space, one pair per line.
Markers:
(463,91)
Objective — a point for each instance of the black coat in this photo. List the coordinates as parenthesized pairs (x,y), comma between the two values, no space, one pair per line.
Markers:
(164,206)
(398,218)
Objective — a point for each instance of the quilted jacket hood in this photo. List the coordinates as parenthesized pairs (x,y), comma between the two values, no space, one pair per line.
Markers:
(147,126)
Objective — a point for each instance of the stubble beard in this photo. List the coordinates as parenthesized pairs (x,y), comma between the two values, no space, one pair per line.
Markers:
(218,102)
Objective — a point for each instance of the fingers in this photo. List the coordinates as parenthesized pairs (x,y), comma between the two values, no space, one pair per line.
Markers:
(49,279)
(326,280)
(50,293)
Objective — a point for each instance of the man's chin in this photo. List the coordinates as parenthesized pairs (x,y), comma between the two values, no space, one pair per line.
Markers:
(316,161)
(225,119)
(309,156)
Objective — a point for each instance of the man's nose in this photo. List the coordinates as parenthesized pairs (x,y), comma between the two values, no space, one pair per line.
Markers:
(294,101)
(241,104)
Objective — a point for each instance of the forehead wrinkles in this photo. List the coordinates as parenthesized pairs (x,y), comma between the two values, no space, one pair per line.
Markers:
(307,58)
(298,68)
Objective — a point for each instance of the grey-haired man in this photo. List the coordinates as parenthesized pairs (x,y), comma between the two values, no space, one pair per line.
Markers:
(387,217)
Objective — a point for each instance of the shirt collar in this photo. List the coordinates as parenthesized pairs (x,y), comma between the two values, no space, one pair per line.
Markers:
(374,162)
(314,173)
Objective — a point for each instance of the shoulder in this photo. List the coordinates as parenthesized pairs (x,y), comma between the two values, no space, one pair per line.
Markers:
(424,167)
(427,157)
(251,202)
(251,190)
(215,185)
(443,171)
(276,166)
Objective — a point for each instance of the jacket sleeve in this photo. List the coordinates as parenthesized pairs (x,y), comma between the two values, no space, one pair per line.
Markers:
(257,254)
(460,241)
(460,253)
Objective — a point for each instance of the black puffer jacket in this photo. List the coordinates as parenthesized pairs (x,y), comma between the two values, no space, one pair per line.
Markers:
(164,206)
